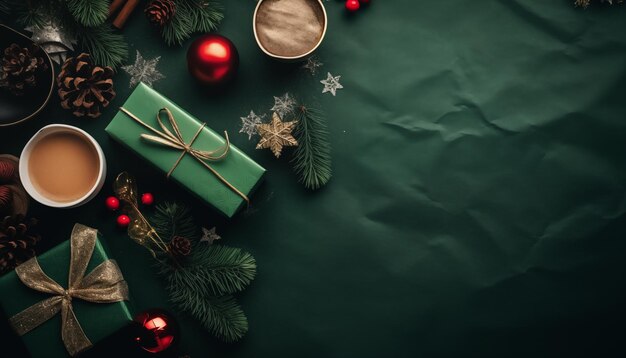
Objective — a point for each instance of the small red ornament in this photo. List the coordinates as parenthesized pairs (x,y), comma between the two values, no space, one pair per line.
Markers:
(147,199)
(158,330)
(123,221)
(212,59)
(112,203)
(352,5)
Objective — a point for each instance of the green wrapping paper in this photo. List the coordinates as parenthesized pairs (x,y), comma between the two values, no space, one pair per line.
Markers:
(98,320)
(236,168)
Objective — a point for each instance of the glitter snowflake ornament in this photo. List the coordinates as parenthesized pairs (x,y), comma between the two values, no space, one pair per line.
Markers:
(276,135)
(209,235)
(284,105)
(312,64)
(249,124)
(143,71)
(53,39)
(331,84)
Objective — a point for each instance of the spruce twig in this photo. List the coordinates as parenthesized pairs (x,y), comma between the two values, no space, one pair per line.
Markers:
(312,157)
(192,16)
(107,47)
(89,12)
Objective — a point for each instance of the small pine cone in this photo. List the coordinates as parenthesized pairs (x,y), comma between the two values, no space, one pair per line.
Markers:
(17,241)
(6,199)
(84,87)
(20,66)
(160,12)
(7,171)
(180,246)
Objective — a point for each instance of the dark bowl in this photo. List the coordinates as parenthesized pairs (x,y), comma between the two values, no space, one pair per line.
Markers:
(16,109)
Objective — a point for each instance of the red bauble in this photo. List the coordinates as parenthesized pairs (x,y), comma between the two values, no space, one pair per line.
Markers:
(112,203)
(123,221)
(352,5)
(212,59)
(158,330)
(147,199)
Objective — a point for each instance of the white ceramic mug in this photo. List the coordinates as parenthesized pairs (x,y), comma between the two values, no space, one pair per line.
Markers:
(25,175)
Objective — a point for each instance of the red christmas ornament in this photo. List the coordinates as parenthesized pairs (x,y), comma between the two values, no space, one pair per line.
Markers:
(352,5)
(158,330)
(147,199)
(123,221)
(212,59)
(112,203)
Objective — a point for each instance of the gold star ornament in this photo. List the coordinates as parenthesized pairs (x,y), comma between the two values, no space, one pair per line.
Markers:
(276,135)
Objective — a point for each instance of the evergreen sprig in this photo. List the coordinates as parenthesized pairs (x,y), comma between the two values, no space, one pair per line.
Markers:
(89,12)
(312,157)
(192,16)
(107,47)
(203,283)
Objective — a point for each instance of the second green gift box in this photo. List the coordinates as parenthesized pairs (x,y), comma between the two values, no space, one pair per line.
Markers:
(189,152)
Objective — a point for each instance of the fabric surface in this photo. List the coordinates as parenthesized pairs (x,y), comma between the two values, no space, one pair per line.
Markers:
(478,198)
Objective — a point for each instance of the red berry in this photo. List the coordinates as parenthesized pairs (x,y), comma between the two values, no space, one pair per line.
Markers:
(123,221)
(147,199)
(112,203)
(352,5)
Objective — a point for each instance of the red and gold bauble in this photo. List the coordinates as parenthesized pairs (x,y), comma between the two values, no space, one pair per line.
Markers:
(212,60)
(158,330)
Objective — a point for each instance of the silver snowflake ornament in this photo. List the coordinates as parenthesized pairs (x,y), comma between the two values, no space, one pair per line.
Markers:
(284,105)
(209,235)
(249,123)
(143,71)
(53,39)
(331,84)
(312,64)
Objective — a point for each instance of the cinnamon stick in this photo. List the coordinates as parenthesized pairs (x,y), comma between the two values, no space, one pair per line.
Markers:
(128,8)
(115,5)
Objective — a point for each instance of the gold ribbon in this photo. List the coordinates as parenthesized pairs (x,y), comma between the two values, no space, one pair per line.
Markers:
(175,140)
(105,284)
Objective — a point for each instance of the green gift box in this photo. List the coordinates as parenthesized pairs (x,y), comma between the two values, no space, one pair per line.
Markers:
(186,149)
(98,318)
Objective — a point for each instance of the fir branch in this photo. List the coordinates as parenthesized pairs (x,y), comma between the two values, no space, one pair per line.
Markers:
(4,7)
(218,270)
(192,16)
(172,219)
(220,315)
(105,46)
(89,12)
(585,3)
(206,15)
(312,157)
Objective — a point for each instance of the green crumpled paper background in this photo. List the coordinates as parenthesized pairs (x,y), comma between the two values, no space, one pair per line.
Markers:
(478,198)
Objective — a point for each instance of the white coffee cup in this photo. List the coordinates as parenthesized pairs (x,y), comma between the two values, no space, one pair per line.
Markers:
(25,174)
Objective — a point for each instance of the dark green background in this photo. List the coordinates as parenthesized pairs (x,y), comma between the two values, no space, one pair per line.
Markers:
(478,201)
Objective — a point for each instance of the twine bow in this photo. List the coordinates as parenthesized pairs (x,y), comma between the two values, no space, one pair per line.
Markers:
(105,284)
(174,139)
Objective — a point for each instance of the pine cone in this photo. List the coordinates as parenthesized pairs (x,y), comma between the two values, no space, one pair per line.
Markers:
(180,246)
(84,87)
(16,241)
(7,171)
(20,67)
(160,12)
(6,199)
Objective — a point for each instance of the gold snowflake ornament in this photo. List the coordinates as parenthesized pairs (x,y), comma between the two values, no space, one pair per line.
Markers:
(276,135)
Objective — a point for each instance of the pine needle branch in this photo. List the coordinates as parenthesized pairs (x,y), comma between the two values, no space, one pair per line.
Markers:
(192,16)
(105,46)
(312,157)
(89,12)
(172,219)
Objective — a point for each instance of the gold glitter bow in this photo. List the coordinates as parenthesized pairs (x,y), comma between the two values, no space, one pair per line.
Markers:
(105,284)
(175,140)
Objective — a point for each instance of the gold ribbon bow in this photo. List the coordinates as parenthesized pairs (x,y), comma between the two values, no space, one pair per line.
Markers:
(105,284)
(175,140)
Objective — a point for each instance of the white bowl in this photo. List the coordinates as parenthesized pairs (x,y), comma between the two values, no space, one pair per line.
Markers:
(25,175)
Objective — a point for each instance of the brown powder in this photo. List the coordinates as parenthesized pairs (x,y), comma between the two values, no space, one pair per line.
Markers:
(289,28)
(63,166)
